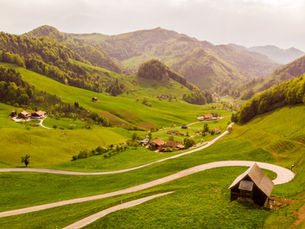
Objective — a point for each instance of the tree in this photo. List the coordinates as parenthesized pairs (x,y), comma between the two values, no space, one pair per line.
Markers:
(205,128)
(134,137)
(26,160)
(189,142)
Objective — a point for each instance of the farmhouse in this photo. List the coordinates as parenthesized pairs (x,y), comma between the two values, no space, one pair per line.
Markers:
(157,143)
(207,117)
(24,115)
(38,114)
(252,184)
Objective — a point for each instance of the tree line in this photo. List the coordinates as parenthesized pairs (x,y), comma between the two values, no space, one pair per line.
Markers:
(290,92)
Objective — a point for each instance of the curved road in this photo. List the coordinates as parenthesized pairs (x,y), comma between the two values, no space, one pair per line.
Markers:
(90,219)
(283,176)
(112,172)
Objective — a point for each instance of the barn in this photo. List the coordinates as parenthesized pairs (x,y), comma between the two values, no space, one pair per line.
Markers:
(252,184)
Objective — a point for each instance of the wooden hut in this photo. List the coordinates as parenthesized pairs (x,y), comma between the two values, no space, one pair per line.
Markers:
(94,99)
(252,184)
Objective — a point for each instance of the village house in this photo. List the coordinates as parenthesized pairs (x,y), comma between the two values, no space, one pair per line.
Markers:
(253,185)
(38,114)
(156,144)
(23,115)
(171,146)
(144,142)
(207,117)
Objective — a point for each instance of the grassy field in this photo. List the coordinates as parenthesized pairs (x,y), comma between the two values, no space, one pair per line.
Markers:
(200,200)
(49,146)
(120,110)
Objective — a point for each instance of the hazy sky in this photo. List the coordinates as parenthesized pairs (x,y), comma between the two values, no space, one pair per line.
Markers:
(245,22)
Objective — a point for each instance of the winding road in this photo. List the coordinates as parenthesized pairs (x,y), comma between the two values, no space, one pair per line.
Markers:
(283,176)
(54,171)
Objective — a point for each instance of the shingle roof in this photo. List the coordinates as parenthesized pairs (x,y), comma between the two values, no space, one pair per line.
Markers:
(258,177)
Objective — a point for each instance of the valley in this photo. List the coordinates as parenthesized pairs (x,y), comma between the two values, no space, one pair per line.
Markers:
(147,129)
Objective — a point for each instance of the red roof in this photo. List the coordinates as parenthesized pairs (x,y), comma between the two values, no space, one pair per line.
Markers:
(158,142)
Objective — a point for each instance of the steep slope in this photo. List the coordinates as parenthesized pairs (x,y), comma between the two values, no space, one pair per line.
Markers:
(95,54)
(282,56)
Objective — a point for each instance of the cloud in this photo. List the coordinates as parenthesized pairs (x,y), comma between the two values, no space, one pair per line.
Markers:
(246,22)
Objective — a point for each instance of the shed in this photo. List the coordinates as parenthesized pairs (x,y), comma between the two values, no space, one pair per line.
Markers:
(184,126)
(252,184)
(94,99)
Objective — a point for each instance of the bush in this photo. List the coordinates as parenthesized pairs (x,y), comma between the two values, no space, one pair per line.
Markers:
(189,142)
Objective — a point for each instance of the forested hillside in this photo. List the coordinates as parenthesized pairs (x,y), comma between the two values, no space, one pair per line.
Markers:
(290,93)
(95,54)
(48,57)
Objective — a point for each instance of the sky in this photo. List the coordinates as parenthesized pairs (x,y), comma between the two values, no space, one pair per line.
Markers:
(244,22)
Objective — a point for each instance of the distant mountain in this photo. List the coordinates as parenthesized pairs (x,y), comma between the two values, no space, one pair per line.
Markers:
(216,67)
(282,56)
(175,49)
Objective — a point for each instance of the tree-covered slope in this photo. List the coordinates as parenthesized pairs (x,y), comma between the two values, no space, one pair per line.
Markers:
(290,93)
(95,54)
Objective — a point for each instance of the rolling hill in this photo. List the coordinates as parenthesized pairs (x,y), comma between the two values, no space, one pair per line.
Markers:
(134,48)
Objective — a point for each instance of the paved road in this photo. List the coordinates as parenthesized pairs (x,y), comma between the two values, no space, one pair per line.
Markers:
(112,172)
(283,176)
(90,219)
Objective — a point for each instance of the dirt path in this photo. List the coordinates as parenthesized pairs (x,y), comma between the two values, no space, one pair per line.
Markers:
(41,124)
(90,219)
(54,171)
(283,176)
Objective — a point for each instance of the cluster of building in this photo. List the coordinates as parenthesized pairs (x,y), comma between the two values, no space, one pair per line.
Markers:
(208,117)
(161,146)
(26,116)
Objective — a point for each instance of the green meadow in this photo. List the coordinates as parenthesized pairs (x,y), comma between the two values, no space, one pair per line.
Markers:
(120,110)
(198,201)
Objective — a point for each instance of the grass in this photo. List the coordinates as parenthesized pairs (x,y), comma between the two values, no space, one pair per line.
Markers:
(49,146)
(119,109)
(203,192)
(201,200)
